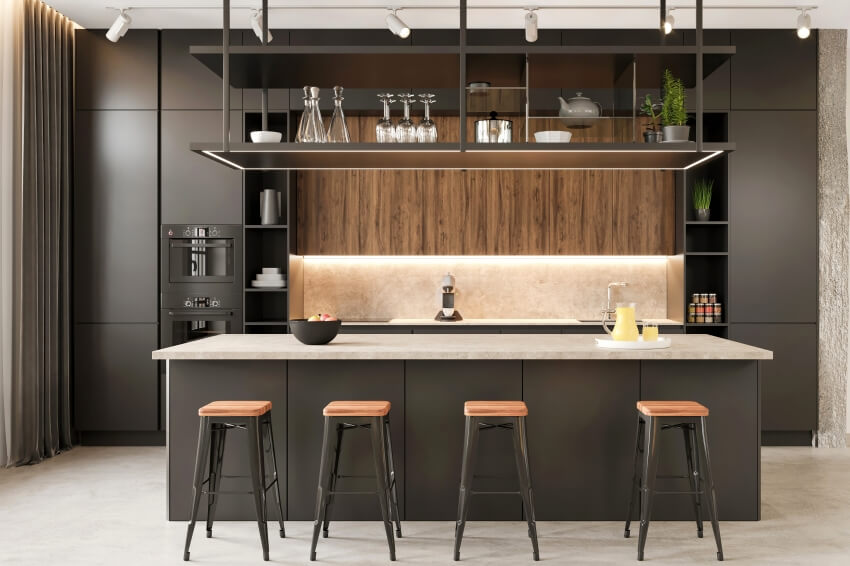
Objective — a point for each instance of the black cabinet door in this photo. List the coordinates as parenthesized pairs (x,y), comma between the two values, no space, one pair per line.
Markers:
(115,218)
(774,70)
(196,189)
(115,380)
(773,248)
(789,400)
(314,384)
(116,76)
(435,393)
(187,84)
(581,423)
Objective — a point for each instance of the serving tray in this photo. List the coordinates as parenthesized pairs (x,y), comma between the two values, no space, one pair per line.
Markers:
(661,343)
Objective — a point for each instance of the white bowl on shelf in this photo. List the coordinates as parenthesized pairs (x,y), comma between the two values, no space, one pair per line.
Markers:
(269,277)
(553,136)
(262,136)
(268,284)
(271,270)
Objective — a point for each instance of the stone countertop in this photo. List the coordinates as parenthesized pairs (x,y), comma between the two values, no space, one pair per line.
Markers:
(451,347)
(495,322)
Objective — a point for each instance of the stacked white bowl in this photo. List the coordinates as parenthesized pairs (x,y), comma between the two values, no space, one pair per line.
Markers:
(270,278)
(553,136)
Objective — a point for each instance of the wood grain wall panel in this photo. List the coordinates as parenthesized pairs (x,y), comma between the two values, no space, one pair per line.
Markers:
(581,221)
(390,213)
(644,212)
(328,209)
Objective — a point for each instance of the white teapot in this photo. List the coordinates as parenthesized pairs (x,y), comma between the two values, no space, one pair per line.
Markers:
(577,109)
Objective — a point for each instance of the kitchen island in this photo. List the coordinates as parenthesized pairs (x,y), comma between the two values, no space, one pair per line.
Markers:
(581,421)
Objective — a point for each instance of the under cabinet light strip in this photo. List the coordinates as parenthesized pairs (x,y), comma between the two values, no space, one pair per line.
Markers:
(486,7)
(504,259)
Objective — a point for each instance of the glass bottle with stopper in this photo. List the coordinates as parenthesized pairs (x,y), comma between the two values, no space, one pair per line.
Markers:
(406,129)
(301,135)
(317,127)
(337,129)
(385,130)
(426,132)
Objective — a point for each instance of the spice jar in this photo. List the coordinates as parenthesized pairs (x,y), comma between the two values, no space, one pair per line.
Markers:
(700,308)
(700,318)
(695,298)
(718,312)
(692,308)
(712,298)
(703,298)
(692,317)
(709,318)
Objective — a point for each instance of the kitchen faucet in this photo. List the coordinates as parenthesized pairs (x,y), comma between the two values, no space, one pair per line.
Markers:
(606,314)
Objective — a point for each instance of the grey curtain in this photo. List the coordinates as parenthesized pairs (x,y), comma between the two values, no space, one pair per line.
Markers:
(41,391)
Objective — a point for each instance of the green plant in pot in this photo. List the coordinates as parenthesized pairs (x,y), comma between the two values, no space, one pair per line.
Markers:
(651,109)
(702,198)
(673,114)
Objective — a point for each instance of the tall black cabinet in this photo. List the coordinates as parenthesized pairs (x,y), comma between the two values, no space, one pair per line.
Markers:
(116,238)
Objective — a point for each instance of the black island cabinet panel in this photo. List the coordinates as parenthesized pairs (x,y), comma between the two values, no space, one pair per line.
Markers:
(790,379)
(116,76)
(435,393)
(581,423)
(314,384)
(194,189)
(730,390)
(773,244)
(193,384)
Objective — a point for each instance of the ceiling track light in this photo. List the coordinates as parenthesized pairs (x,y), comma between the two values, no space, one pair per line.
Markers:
(804,24)
(257,25)
(531,25)
(669,22)
(119,27)
(396,25)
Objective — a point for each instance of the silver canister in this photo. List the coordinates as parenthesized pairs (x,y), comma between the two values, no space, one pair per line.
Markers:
(493,130)
(270,206)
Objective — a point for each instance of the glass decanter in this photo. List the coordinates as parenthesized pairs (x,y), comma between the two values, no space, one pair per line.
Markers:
(426,132)
(337,130)
(385,130)
(317,128)
(301,134)
(405,132)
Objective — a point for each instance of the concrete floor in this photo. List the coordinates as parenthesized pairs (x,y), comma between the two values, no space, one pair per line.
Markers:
(107,506)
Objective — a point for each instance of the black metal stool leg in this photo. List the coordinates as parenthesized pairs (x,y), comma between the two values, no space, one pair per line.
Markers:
(693,473)
(524,474)
(392,479)
(470,446)
(636,478)
(650,465)
(379,455)
(340,429)
(277,497)
(216,457)
(197,485)
(255,446)
(323,487)
(709,487)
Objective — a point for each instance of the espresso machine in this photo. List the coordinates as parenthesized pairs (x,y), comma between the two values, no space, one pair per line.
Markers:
(448,312)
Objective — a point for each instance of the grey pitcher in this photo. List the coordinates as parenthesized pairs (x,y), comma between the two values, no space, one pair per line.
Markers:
(270,206)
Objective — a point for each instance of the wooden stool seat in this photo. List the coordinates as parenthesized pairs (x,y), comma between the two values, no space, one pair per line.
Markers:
(672,409)
(495,409)
(357,409)
(235,409)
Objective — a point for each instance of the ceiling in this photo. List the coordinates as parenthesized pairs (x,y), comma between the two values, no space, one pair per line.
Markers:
(371,13)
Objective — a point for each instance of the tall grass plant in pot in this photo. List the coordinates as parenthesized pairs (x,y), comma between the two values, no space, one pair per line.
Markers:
(674,117)
(702,198)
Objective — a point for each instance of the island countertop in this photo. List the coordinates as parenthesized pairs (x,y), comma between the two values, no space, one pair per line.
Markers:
(452,347)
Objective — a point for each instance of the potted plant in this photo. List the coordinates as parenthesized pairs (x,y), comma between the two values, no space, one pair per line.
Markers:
(673,114)
(648,108)
(702,198)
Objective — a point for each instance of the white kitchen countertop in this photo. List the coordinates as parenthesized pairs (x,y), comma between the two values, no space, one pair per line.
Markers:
(452,347)
(496,322)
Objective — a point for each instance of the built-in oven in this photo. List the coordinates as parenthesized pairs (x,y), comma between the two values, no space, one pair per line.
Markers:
(204,317)
(206,258)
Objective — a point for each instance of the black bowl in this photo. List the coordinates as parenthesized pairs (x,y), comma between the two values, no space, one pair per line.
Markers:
(315,333)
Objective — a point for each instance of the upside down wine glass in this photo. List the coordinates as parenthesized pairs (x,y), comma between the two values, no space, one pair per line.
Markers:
(406,130)
(384,130)
(426,132)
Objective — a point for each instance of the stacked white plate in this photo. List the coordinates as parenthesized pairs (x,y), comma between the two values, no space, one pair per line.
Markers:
(553,136)
(270,278)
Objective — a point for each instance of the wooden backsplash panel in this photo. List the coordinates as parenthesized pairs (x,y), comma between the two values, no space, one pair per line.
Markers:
(486,212)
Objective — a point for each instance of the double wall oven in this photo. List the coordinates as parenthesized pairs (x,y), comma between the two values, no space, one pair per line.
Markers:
(201,292)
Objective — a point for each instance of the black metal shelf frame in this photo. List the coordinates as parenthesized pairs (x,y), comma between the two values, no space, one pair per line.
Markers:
(268,66)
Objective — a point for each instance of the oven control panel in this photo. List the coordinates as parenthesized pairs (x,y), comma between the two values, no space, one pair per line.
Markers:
(194,232)
(202,303)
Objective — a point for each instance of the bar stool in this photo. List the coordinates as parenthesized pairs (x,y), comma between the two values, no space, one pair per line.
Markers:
(689,417)
(475,412)
(341,417)
(216,419)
